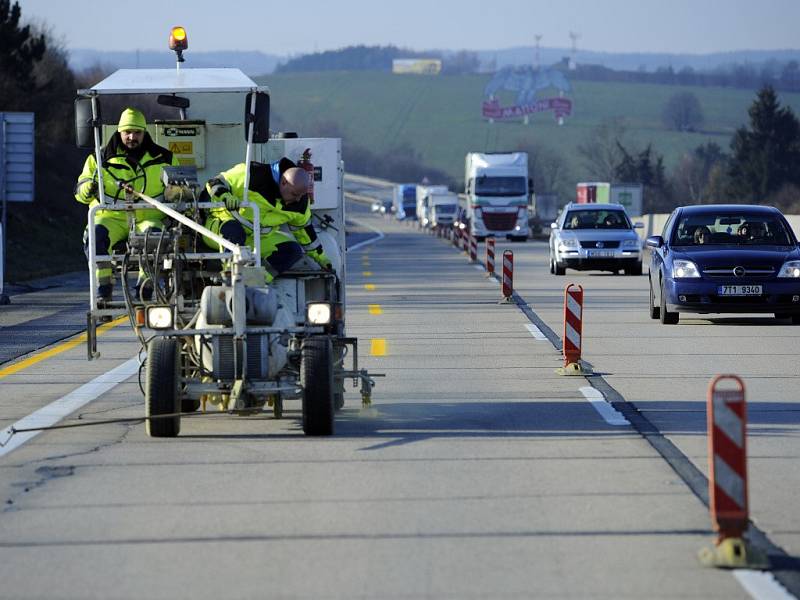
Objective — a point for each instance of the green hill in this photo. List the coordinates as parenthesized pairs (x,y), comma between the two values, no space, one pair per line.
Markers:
(440,119)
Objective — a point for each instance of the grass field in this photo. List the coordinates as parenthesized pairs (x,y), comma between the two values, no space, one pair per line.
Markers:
(440,118)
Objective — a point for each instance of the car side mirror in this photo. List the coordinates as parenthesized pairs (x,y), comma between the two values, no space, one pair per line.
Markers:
(654,241)
(638,225)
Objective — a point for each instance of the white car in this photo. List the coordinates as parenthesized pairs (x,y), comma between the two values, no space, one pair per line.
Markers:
(595,237)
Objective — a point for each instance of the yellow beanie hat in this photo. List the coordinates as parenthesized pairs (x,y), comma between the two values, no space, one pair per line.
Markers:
(131,119)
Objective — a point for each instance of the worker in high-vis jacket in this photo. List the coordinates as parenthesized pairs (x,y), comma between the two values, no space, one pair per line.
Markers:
(130,157)
(280,190)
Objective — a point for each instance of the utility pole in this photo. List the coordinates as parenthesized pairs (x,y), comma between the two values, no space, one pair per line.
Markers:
(538,64)
(573,64)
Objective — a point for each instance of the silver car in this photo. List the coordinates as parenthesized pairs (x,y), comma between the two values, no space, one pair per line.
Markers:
(595,237)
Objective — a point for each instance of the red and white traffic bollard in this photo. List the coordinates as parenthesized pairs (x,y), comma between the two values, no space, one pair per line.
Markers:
(508,275)
(473,248)
(490,257)
(572,341)
(726,411)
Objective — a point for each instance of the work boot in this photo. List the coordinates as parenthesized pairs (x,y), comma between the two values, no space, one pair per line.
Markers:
(104,293)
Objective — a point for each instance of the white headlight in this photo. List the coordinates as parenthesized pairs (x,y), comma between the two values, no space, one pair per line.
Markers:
(319,313)
(684,269)
(569,243)
(790,269)
(159,317)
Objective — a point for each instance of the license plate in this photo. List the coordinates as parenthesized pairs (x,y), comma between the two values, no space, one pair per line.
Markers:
(739,290)
(600,253)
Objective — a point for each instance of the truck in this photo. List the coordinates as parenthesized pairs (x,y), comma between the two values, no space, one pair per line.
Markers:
(497,189)
(404,201)
(442,208)
(423,203)
(214,334)
(628,195)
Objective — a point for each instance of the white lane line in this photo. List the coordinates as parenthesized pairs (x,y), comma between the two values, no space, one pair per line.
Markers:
(536,332)
(58,409)
(360,245)
(761,585)
(609,413)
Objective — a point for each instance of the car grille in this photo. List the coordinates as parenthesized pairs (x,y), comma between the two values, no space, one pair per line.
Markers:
(726,272)
(499,221)
(603,244)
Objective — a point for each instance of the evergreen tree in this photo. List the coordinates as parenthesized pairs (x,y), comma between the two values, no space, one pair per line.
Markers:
(765,156)
(19,49)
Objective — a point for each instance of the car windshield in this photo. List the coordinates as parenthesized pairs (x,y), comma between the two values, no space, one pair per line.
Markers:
(596,219)
(499,186)
(738,229)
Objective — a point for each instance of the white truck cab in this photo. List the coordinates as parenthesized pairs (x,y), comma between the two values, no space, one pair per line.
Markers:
(497,190)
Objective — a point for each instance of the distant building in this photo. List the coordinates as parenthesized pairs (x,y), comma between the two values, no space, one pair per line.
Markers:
(417,66)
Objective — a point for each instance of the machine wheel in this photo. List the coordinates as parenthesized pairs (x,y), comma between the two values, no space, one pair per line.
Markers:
(559,270)
(316,377)
(655,311)
(189,405)
(552,267)
(666,317)
(161,392)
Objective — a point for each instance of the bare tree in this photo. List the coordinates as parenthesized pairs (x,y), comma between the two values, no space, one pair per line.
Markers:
(601,151)
(683,112)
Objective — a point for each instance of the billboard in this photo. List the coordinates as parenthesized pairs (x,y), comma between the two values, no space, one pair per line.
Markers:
(417,66)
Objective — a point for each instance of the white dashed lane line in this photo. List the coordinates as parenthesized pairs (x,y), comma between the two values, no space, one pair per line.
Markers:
(609,413)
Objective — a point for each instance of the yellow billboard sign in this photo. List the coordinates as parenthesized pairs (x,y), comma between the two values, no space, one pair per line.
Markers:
(417,66)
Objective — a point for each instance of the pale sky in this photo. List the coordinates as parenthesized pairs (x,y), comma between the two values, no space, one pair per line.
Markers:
(675,26)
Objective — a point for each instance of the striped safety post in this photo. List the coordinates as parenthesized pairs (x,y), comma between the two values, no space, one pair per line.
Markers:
(508,275)
(726,414)
(473,248)
(572,341)
(490,257)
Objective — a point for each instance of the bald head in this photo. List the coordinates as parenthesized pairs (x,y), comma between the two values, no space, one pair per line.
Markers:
(293,184)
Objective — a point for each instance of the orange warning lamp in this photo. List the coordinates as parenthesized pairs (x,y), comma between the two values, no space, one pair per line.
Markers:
(178,41)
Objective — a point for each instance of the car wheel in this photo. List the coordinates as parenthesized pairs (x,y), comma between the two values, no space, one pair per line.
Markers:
(655,311)
(634,270)
(552,268)
(666,317)
(559,270)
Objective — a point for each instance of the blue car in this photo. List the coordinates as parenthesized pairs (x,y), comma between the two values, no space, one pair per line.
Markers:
(718,258)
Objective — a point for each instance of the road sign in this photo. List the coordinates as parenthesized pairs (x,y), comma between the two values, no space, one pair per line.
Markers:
(16,171)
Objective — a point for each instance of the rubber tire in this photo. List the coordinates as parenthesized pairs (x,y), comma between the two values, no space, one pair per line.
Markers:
(655,311)
(161,393)
(666,317)
(316,378)
(634,270)
(552,267)
(559,270)
(189,405)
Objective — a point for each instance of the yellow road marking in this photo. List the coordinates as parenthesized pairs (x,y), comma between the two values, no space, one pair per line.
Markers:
(375,309)
(370,287)
(378,347)
(69,345)
(367,273)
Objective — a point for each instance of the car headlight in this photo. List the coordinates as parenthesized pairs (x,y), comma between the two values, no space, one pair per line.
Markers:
(684,269)
(790,268)
(318,313)
(159,317)
(630,243)
(568,243)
